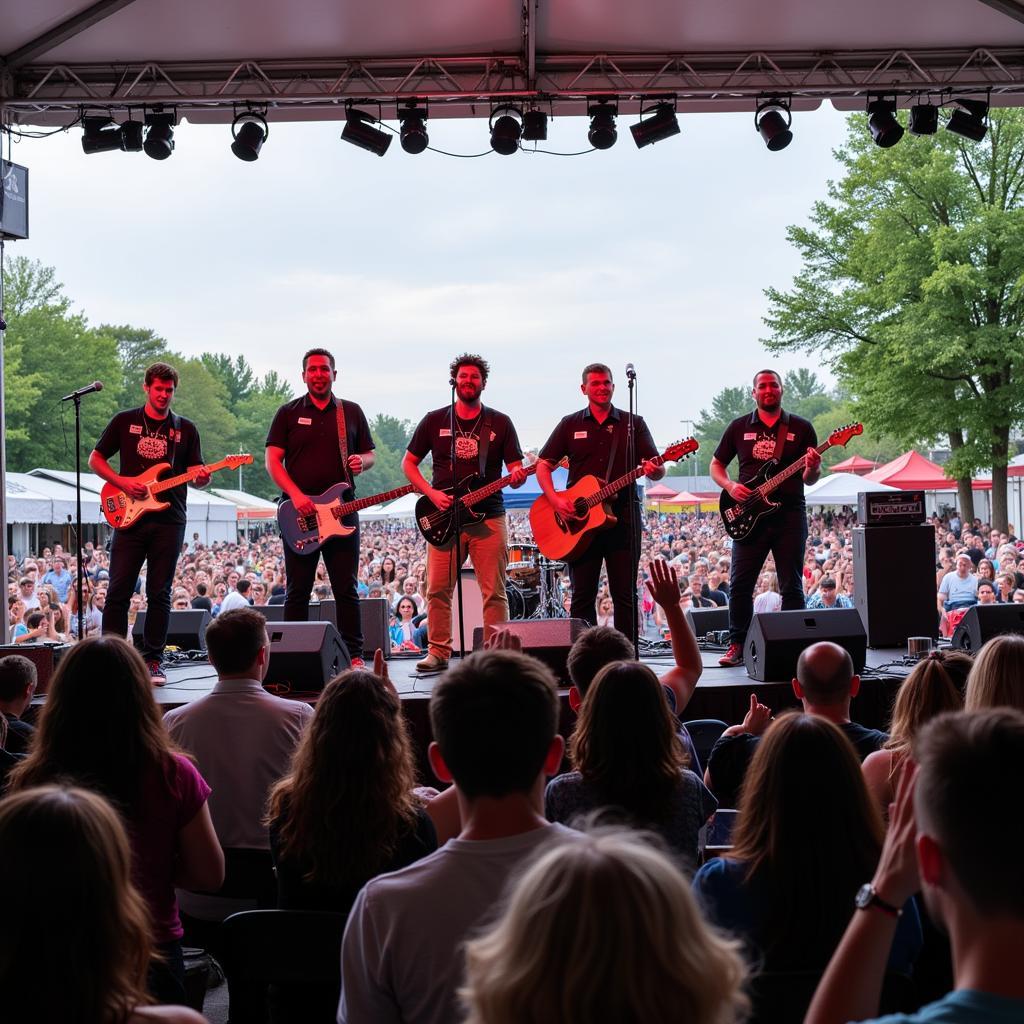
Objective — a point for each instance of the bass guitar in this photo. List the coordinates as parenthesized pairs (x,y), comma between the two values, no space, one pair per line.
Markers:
(306,534)
(563,539)
(741,518)
(121,509)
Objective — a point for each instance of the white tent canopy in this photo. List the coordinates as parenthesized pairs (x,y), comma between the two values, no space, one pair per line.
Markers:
(401,508)
(34,499)
(841,489)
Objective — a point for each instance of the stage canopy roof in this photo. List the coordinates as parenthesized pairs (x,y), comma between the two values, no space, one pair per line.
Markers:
(305,59)
(854,464)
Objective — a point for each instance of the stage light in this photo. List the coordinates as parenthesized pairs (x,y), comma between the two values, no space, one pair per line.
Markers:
(662,124)
(100,135)
(360,132)
(535,126)
(603,134)
(772,119)
(971,121)
(250,131)
(924,119)
(506,130)
(131,136)
(885,129)
(414,137)
(159,142)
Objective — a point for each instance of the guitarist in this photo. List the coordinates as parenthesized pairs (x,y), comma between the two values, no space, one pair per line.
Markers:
(768,433)
(144,437)
(594,440)
(314,442)
(484,438)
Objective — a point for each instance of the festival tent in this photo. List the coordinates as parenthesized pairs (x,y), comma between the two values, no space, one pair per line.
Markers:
(913,472)
(34,499)
(854,464)
(841,489)
(248,506)
(526,495)
(401,508)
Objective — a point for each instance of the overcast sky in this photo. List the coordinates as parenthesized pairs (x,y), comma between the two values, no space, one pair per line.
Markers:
(657,256)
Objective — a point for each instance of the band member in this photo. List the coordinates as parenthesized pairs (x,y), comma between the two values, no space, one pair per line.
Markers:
(144,437)
(484,438)
(314,442)
(594,439)
(755,439)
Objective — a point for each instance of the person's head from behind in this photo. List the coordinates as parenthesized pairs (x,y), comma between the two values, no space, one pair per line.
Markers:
(967,803)
(825,676)
(604,927)
(494,719)
(593,649)
(237,644)
(996,678)
(926,692)
(75,938)
(18,679)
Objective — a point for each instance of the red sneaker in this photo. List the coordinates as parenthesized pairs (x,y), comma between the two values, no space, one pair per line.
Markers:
(156,673)
(732,657)
(357,663)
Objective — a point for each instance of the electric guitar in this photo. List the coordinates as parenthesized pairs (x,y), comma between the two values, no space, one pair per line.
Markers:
(741,518)
(306,534)
(563,539)
(121,509)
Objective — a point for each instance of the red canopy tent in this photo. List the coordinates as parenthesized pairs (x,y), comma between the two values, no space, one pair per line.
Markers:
(913,472)
(854,464)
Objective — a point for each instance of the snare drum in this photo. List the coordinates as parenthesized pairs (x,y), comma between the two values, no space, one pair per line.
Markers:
(522,566)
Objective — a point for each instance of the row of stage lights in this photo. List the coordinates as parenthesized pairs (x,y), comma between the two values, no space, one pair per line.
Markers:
(511,126)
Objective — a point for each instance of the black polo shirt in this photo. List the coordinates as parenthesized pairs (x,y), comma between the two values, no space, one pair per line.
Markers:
(754,444)
(433,435)
(589,447)
(309,437)
(142,443)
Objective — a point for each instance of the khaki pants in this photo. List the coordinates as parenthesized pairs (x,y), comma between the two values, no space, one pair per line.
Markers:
(487,543)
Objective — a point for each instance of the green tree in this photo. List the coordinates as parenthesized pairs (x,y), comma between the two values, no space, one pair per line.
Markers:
(29,285)
(387,473)
(393,432)
(805,395)
(912,286)
(202,398)
(725,407)
(137,348)
(236,375)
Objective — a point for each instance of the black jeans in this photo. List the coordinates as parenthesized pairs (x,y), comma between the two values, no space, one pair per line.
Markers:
(784,534)
(158,545)
(341,558)
(611,547)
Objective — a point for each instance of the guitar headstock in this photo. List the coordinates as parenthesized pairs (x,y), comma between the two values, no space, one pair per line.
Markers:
(234,461)
(841,435)
(680,449)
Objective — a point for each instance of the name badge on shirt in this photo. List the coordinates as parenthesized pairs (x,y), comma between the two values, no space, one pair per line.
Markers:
(444,432)
(579,435)
(135,428)
(750,437)
(791,437)
(305,421)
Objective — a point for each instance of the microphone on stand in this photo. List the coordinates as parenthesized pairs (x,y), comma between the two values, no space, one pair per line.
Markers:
(630,372)
(96,385)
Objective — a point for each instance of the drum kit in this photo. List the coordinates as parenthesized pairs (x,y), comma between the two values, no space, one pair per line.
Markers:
(533,584)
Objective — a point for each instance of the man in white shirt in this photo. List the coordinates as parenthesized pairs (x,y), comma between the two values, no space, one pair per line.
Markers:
(237,598)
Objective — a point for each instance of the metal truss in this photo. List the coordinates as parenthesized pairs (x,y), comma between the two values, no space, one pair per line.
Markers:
(468,86)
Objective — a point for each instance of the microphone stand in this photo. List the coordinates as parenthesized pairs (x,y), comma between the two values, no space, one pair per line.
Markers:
(458,527)
(78,515)
(631,520)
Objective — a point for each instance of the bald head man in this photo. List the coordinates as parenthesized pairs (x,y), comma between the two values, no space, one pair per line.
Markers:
(825,681)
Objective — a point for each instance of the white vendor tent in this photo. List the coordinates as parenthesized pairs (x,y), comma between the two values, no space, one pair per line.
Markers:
(841,489)
(401,508)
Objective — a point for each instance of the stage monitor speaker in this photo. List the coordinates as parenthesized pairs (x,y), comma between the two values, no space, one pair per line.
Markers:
(894,567)
(374,614)
(271,612)
(548,640)
(304,656)
(984,621)
(707,620)
(324,611)
(186,629)
(46,657)
(775,640)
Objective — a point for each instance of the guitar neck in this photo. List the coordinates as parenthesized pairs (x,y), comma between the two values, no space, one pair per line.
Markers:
(186,477)
(492,488)
(795,467)
(373,499)
(616,485)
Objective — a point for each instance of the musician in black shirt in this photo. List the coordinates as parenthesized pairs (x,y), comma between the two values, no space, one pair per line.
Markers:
(754,441)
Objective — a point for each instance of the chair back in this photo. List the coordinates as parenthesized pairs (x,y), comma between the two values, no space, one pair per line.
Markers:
(704,732)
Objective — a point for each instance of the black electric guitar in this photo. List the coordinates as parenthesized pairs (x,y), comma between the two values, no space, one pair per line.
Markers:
(741,518)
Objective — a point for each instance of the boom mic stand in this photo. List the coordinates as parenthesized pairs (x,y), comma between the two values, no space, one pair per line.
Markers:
(457,502)
(631,514)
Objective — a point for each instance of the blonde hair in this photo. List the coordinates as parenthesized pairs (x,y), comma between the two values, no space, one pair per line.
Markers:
(603,926)
(995,679)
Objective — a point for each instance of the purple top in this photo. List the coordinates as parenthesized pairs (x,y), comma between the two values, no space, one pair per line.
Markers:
(169,800)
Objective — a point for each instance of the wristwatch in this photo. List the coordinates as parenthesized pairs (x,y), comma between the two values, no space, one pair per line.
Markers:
(867,897)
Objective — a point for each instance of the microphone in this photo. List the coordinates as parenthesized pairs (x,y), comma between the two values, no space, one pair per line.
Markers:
(630,372)
(96,385)
(451,382)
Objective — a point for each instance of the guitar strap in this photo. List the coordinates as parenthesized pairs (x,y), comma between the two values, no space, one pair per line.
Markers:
(616,434)
(780,438)
(339,408)
(485,442)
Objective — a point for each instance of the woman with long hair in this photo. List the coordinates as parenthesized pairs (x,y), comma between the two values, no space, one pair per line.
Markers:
(926,692)
(75,937)
(807,835)
(347,811)
(627,757)
(995,678)
(603,927)
(101,729)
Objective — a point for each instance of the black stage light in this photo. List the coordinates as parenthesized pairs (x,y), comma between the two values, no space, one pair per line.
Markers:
(924,119)
(506,130)
(414,137)
(131,136)
(603,134)
(773,119)
(360,132)
(971,121)
(662,124)
(535,126)
(250,131)
(159,142)
(885,129)
(100,135)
